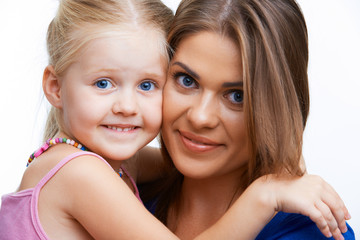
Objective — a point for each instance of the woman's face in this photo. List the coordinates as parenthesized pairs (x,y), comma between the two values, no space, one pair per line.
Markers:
(203,118)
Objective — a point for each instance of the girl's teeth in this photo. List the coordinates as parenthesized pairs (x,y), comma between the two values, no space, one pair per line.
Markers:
(121,129)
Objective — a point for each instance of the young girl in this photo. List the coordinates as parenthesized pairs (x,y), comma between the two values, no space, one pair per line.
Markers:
(107,69)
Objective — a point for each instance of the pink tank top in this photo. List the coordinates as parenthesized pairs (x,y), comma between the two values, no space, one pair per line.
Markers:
(19,211)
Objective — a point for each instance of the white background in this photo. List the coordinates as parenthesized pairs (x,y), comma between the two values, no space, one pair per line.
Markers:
(331,142)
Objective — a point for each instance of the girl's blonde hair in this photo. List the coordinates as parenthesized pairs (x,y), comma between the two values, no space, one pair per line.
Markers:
(79,21)
(273,44)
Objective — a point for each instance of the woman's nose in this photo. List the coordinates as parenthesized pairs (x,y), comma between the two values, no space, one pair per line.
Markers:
(125,103)
(203,113)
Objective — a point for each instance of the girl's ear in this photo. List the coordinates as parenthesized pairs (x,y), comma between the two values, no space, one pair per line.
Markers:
(52,87)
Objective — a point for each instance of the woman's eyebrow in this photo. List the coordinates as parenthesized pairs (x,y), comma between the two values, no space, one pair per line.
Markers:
(232,84)
(187,69)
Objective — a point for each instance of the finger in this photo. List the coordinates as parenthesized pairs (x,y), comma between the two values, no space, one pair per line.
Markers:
(330,220)
(347,213)
(337,235)
(317,217)
(337,207)
(340,216)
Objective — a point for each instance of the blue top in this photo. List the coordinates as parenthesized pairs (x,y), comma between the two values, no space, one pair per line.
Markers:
(284,226)
(291,226)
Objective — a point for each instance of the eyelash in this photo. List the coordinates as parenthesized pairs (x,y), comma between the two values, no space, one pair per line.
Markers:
(229,92)
(177,75)
(103,79)
(154,84)
(99,80)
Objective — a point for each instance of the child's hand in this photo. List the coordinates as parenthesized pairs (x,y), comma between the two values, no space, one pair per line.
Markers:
(311,196)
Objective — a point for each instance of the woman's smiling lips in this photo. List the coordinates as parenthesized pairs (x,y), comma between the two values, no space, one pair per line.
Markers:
(197,143)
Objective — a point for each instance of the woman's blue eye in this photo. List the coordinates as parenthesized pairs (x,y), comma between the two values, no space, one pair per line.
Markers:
(236,96)
(147,86)
(186,81)
(103,84)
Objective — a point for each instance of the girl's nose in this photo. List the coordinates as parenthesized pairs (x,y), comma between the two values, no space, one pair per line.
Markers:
(204,112)
(125,103)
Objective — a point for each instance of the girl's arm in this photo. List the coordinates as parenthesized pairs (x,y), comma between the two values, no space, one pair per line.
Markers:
(308,195)
(104,205)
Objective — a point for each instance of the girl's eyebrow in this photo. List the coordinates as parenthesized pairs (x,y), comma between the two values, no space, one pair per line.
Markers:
(96,70)
(150,74)
(187,69)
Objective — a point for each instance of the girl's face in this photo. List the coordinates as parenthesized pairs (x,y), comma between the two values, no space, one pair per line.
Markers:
(203,119)
(112,95)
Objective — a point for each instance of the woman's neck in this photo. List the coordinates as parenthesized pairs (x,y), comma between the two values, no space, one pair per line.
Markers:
(203,202)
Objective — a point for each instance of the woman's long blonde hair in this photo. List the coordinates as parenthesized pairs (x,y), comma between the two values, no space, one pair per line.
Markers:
(78,22)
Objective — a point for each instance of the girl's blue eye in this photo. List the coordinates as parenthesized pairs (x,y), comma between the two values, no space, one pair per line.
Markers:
(147,86)
(103,84)
(236,96)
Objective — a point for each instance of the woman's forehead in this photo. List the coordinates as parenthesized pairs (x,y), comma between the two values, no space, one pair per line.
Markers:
(208,51)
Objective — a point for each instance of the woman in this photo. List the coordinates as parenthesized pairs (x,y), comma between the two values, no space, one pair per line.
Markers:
(236,107)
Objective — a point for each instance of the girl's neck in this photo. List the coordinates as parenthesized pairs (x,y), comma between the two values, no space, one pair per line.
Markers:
(115,164)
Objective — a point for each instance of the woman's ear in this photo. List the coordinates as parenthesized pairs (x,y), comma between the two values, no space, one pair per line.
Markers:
(52,87)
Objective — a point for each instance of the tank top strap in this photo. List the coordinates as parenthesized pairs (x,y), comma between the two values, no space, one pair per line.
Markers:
(137,194)
(65,160)
(35,197)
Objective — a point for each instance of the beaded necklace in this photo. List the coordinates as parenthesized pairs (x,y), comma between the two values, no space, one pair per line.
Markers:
(52,141)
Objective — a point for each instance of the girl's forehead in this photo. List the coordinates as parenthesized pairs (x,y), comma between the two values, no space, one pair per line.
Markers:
(134,55)
(85,34)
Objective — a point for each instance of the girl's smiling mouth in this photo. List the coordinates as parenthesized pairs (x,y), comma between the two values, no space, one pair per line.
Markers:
(121,129)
